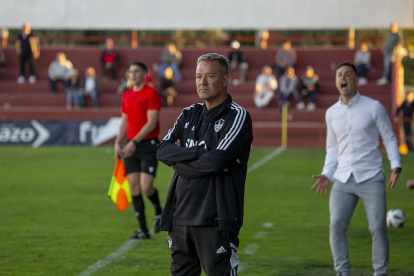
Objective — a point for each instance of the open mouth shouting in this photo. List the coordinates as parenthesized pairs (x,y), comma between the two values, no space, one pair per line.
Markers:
(344,85)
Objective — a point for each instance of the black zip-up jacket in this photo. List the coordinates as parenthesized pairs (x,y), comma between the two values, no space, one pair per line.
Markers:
(229,136)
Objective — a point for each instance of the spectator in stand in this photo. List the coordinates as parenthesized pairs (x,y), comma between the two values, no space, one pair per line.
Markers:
(266,85)
(285,57)
(148,79)
(109,59)
(237,62)
(168,91)
(90,88)
(288,86)
(309,89)
(407,108)
(59,71)
(171,57)
(2,59)
(392,40)
(73,90)
(28,49)
(362,62)
(125,84)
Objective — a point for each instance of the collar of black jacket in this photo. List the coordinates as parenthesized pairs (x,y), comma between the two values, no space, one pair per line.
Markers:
(224,106)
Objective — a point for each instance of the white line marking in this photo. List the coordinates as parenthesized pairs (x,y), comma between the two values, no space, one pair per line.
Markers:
(261,235)
(131,243)
(240,267)
(265,159)
(110,258)
(250,249)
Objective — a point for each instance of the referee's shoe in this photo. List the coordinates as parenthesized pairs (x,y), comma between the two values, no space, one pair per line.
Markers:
(157,224)
(140,235)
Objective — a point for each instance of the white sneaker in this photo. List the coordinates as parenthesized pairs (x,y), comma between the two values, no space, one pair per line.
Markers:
(21,79)
(382,81)
(300,106)
(311,107)
(362,81)
(32,79)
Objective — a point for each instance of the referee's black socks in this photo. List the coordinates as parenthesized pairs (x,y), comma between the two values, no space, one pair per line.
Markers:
(156,202)
(140,211)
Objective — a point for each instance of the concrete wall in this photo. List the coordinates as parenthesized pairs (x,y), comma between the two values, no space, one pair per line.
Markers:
(206,14)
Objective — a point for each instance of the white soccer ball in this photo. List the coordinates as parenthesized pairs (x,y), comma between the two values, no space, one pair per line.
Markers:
(395,218)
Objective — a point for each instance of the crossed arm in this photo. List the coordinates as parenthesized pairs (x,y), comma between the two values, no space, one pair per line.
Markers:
(196,161)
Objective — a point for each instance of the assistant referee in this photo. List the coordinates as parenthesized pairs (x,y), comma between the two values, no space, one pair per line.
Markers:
(139,130)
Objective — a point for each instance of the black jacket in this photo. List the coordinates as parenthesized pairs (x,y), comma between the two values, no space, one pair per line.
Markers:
(407,109)
(228,147)
(236,56)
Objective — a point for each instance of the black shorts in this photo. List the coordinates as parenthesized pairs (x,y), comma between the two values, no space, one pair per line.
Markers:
(191,245)
(144,158)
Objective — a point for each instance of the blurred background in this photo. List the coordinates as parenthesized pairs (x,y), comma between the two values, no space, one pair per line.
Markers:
(103,37)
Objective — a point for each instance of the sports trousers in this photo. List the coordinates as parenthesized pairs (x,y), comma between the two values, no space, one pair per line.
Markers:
(191,245)
(342,201)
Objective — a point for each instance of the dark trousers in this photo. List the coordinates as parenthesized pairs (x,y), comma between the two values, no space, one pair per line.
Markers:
(215,250)
(111,70)
(287,98)
(408,135)
(23,60)
(311,94)
(53,83)
(280,70)
(362,70)
(387,64)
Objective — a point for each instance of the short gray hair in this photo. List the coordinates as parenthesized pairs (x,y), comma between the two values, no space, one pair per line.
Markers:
(222,61)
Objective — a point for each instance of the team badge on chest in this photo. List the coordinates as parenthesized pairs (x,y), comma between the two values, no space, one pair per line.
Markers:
(218,124)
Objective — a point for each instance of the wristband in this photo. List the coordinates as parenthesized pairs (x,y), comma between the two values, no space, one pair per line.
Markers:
(135,142)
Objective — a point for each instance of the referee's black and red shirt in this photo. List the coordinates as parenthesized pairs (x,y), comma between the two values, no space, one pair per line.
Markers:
(135,105)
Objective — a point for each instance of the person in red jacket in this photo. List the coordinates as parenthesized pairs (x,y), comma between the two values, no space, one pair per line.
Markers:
(140,109)
(109,59)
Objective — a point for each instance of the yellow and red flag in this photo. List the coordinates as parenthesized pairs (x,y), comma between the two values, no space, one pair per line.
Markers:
(119,189)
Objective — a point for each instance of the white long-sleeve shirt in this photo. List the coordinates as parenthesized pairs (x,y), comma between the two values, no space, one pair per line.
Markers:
(362,58)
(352,142)
(264,80)
(60,71)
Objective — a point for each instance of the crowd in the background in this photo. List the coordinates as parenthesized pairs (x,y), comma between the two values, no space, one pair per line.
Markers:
(306,88)
(278,79)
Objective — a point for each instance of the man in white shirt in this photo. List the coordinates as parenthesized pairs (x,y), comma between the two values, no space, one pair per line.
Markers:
(59,71)
(353,163)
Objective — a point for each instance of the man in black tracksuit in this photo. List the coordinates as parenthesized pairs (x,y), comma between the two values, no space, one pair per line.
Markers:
(208,148)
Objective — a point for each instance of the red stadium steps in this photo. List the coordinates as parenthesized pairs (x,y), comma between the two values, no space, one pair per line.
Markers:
(300,134)
(305,129)
(189,74)
(184,88)
(113,100)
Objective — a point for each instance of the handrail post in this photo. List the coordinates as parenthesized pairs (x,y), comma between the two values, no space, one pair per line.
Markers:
(351,35)
(134,39)
(265,38)
(4,37)
(398,88)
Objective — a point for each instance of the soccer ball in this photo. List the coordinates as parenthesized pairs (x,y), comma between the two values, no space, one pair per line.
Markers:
(395,218)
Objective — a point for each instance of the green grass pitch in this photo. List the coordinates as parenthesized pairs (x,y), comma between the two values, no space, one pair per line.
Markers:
(55,217)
